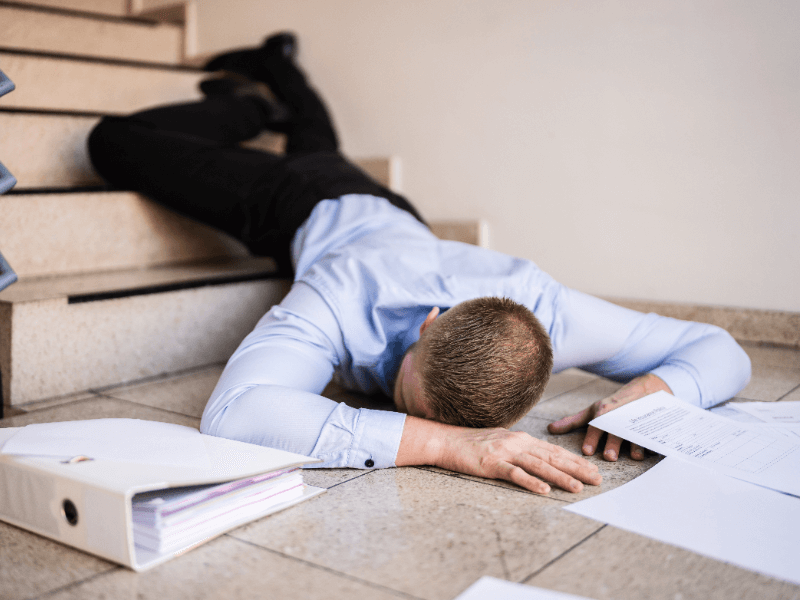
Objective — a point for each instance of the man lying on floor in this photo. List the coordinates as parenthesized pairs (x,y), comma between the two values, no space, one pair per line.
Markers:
(462,338)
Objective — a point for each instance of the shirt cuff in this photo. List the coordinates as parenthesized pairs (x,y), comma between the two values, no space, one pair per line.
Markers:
(360,439)
(680,381)
(377,439)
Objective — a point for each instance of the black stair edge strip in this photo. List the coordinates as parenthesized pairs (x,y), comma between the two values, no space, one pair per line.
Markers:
(172,287)
(86,14)
(121,62)
(59,190)
(54,112)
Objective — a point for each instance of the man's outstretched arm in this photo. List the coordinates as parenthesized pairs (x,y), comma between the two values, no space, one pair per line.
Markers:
(699,363)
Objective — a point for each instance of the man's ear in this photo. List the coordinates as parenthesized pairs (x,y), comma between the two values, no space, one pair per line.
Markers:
(429,319)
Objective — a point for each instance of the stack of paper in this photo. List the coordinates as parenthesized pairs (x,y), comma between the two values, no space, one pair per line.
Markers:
(173,519)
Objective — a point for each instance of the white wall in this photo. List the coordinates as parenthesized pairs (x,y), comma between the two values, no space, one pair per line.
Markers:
(644,149)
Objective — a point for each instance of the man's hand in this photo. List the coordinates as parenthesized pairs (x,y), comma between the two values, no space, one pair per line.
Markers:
(635,389)
(496,454)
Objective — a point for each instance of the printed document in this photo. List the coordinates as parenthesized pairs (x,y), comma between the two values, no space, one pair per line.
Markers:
(748,451)
(704,511)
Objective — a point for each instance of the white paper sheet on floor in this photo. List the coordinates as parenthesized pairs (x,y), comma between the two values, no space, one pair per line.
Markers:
(491,588)
(702,510)
(748,451)
(772,412)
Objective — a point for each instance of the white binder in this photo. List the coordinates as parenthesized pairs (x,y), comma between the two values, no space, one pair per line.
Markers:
(88,504)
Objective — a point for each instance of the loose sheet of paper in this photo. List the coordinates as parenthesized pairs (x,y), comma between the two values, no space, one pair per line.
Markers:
(772,412)
(124,440)
(729,411)
(702,510)
(491,588)
(662,423)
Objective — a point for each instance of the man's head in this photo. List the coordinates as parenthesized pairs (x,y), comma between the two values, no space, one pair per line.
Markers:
(484,363)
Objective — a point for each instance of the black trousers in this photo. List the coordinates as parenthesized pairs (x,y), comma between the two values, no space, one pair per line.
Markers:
(187,157)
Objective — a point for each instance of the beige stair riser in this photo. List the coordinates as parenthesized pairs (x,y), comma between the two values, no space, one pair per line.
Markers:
(116,8)
(58,348)
(66,163)
(61,84)
(26,29)
(83,232)
(47,150)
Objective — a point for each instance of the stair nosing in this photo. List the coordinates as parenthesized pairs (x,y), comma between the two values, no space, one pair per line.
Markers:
(120,62)
(86,14)
(264,272)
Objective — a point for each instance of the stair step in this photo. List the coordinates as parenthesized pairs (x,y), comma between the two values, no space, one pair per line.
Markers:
(29,28)
(47,151)
(64,335)
(87,86)
(86,287)
(65,163)
(99,231)
(101,7)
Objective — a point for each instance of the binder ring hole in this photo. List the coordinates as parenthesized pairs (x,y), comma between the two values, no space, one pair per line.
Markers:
(70,512)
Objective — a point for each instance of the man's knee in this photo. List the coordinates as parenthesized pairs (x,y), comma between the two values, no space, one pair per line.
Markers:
(110,143)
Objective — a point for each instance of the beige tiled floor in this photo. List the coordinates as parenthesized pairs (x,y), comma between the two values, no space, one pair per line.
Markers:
(398,533)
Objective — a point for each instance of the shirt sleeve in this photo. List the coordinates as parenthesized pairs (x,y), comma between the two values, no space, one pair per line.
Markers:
(701,363)
(268,393)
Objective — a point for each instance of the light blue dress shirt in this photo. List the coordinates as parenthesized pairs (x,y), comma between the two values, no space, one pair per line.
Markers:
(367,274)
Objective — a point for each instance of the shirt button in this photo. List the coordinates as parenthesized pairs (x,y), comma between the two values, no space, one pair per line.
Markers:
(370,463)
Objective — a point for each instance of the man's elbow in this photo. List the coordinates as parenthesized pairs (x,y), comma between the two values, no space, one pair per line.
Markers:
(739,362)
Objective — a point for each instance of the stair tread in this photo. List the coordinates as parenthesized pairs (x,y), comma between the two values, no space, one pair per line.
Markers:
(116,8)
(54,84)
(117,230)
(131,281)
(53,31)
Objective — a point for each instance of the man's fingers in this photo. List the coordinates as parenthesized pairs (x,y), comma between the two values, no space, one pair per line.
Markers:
(567,424)
(613,444)
(637,452)
(580,469)
(537,466)
(562,453)
(591,441)
(519,476)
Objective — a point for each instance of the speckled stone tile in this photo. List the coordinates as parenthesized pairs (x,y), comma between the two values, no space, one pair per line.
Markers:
(614,473)
(186,393)
(770,383)
(31,565)
(422,533)
(226,568)
(773,356)
(328,478)
(621,565)
(99,408)
(12,411)
(575,401)
(57,401)
(793,396)
(566,381)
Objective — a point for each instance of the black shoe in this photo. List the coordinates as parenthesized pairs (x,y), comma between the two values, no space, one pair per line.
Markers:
(275,112)
(251,62)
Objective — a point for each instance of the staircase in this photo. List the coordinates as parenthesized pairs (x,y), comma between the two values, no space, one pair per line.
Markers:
(112,287)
